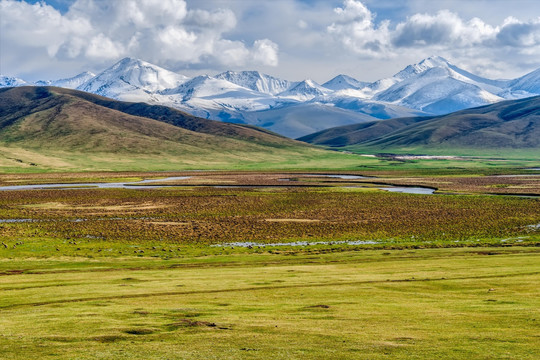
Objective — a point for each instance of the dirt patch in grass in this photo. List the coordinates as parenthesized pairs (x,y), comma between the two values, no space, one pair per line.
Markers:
(186,323)
(140,331)
(141,312)
(321,306)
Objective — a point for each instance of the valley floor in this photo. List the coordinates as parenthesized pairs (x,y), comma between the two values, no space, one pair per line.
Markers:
(281,265)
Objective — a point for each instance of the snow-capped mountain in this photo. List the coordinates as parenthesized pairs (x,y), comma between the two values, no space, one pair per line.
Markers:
(10,81)
(436,86)
(75,81)
(210,93)
(529,83)
(257,81)
(305,90)
(205,86)
(344,82)
(297,119)
(132,80)
(375,109)
(68,83)
(432,86)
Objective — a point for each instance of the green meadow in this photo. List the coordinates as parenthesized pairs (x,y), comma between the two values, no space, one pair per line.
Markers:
(465,303)
(246,265)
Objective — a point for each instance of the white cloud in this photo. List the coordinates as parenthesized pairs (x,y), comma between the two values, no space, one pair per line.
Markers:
(39,25)
(355,27)
(265,52)
(101,47)
(519,34)
(444,28)
(367,39)
(222,19)
(161,31)
(302,24)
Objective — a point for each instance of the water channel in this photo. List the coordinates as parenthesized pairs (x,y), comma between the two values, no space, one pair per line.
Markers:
(147,184)
(118,185)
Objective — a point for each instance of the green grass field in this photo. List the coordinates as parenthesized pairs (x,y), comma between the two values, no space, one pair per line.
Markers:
(17,160)
(413,304)
(151,274)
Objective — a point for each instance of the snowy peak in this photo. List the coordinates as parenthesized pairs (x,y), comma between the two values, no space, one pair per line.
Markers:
(344,82)
(257,81)
(43,83)
(75,81)
(210,88)
(9,81)
(305,90)
(426,64)
(437,86)
(68,83)
(433,61)
(529,83)
(132,74)
(437,62)
(408,72)
(190,88)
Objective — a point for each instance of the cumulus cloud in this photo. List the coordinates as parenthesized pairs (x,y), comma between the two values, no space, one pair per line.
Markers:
(355,27)
(161,31)
(519,34)
(265,52)
(443,28)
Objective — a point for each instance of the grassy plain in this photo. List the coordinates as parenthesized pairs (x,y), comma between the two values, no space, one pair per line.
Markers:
(414,304)
(18,160)
(151,274)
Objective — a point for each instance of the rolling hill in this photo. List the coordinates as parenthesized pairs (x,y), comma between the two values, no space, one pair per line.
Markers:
(512,124)
(44,126)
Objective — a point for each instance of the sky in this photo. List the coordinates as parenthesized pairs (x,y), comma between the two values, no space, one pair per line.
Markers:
(290,39)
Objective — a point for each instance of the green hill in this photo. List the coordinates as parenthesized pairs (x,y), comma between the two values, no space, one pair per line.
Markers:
(47,128)
(511,125)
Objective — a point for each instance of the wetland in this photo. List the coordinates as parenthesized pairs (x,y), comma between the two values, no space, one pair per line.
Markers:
(233,264)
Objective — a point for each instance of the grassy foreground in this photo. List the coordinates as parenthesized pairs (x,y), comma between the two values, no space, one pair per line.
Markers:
(147,273)
(414,304)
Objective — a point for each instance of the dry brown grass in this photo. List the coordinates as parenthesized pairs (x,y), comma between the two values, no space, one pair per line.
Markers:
(519,184)
(221,215)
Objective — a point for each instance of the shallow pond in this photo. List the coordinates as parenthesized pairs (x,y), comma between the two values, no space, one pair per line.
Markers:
(345,177)
(248,244)
(409,190)
(15,220)
(335,176)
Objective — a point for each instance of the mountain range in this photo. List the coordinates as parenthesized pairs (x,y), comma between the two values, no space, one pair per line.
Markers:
(434,86)
(510,124)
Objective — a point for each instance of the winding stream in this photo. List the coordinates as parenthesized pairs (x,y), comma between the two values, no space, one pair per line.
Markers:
(146,184)
(119,185)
